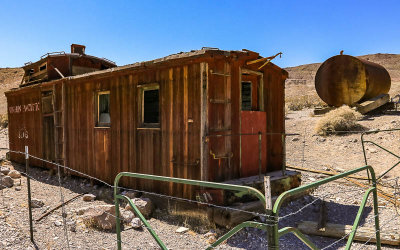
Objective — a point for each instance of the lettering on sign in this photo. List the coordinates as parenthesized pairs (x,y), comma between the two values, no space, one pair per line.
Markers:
(23,133)
(31,107)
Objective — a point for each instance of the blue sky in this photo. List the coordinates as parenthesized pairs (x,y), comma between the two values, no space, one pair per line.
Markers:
(131,31)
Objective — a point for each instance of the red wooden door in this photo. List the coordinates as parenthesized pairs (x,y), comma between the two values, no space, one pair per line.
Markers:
(253,122)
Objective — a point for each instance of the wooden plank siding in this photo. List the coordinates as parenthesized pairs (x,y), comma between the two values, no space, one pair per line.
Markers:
(199,96)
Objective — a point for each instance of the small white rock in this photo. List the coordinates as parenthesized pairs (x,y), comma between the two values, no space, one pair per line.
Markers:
(58,223)
(14,174)
(88,197)
(136,223)
(182,230)
(36,203)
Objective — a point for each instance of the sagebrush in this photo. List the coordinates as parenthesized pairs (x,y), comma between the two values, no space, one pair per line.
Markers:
(3,120)
(302,102)
(339,120)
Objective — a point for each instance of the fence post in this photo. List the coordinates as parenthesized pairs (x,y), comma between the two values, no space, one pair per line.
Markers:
(272,231)
(259,155)
(28,181)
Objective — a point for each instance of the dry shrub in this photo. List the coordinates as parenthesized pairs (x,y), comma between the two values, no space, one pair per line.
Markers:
(305,101)
(3,120)
(338,120)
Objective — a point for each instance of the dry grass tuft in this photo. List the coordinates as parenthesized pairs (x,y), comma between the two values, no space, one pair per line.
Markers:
(339,120)
(302,102)
(3,120)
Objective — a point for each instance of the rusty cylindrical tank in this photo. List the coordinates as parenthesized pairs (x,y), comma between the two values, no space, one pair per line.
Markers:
(344,79)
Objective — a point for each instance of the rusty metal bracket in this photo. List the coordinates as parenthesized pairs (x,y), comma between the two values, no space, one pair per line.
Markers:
(217,157)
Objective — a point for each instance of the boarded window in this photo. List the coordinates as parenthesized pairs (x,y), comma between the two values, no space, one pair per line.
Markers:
(246,96)
(103,109)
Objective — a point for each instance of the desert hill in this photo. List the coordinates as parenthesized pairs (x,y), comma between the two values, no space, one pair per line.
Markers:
(9,78)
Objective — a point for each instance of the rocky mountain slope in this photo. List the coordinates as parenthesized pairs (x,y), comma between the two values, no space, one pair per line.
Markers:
(9,78)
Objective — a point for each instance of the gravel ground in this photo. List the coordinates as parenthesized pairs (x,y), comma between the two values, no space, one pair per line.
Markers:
(342,199)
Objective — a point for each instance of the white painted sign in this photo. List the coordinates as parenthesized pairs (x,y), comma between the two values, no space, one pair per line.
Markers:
(31,107)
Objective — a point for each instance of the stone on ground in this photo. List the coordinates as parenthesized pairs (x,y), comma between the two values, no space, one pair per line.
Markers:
(89,197)
(182,230)
(136,223)
(14,174)
(131,194)
(4,170)
(102,217)
(36,203)
(144,205)
(6,182)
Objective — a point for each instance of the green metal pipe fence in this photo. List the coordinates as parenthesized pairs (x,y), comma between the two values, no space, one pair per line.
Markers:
(301,189)
(272,229)
(248,190)
(363,142)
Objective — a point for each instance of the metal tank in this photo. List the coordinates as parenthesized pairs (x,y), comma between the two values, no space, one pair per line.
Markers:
(345,79)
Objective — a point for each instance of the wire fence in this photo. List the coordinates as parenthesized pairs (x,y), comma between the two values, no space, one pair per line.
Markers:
(292,213)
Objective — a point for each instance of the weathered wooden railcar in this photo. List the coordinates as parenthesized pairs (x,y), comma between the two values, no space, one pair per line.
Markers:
(192,115)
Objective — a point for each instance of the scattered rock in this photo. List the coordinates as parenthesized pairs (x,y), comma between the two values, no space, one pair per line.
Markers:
(101,217)
(211,237)
(131,194)
(136,223)
(182,230)
(373,150)
(36,203)
(14,174)
(72,225)
(321,139)
(106,194)
(295,139)
(127,215)
(4,170)
(6,181)
(58,223)
(17,188)
(89,197)
(145,206)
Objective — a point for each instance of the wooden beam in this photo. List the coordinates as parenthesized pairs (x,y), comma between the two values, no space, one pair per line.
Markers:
(363,234)
(373,103)
(57,207)
(257,61)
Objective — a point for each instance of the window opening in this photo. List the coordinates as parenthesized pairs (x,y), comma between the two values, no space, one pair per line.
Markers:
(246,96)
(151,106)
(103,109)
